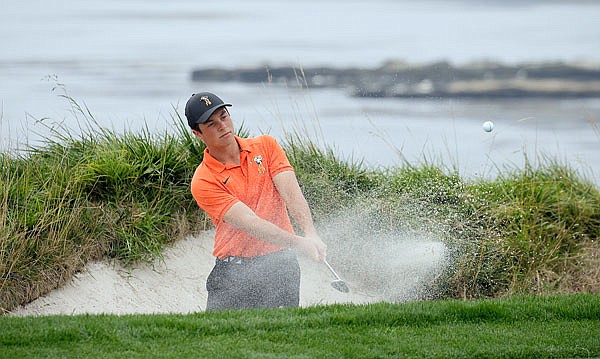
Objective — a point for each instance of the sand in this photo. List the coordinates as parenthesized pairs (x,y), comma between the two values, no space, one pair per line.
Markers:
(175,284)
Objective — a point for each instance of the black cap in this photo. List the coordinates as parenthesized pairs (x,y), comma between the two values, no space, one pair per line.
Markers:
(200,106)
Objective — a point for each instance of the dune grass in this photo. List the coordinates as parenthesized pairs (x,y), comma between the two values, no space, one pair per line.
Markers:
(101,194)
(125,195)
(517,327)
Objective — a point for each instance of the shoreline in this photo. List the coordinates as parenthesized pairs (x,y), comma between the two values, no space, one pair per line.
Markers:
(439,79)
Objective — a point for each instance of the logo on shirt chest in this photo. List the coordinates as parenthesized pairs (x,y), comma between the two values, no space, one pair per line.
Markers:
(259,161)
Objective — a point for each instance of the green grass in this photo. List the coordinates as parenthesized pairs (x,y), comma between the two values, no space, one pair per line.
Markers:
(517,327)
(539,219)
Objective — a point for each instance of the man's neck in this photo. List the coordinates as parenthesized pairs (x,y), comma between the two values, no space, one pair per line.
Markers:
(228,154)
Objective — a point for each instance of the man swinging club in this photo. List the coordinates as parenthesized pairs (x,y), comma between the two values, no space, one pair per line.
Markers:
(247,187)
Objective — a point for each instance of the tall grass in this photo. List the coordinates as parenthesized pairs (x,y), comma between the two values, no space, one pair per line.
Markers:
(101,194)
(543,225)
(126,195)
(42,241)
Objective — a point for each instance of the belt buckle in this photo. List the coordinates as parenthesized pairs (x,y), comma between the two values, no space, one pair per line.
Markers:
(234,260)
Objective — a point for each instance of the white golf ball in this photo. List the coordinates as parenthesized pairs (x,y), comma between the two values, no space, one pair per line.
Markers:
(488,126)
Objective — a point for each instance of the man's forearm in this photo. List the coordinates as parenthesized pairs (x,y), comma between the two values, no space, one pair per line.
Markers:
(288,187)
(243,218)
(300,213)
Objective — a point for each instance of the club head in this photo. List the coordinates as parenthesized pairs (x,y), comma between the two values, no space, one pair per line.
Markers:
(340,286)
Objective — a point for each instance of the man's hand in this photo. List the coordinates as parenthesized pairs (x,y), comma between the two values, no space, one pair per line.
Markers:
(311,247)
(321,247)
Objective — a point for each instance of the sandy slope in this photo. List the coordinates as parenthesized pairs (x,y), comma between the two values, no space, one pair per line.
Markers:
(174,285)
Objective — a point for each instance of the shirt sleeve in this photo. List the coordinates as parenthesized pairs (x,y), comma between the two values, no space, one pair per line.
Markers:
(211,197)
(277,157)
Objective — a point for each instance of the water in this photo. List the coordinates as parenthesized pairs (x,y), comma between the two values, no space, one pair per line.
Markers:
(129,61)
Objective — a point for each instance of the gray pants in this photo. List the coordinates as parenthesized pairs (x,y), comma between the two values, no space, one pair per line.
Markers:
(269,281)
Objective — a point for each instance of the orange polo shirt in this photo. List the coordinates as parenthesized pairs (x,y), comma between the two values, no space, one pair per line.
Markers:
(217,186)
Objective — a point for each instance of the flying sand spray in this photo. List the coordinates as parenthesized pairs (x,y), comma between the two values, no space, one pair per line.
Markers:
(379,252)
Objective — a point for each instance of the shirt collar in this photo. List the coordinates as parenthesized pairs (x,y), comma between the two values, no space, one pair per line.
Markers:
(244,143)
(217,166)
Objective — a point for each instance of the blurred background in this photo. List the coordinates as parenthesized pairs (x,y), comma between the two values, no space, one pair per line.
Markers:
(130,62)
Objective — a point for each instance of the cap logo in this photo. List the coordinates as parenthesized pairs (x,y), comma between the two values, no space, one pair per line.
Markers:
(206,100)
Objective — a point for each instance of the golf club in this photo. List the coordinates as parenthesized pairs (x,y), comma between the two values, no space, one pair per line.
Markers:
(337,284)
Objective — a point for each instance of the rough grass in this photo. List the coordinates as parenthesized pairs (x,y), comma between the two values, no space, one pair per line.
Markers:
(101,194)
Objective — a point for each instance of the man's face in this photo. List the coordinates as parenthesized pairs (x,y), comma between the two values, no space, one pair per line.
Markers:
(217,130)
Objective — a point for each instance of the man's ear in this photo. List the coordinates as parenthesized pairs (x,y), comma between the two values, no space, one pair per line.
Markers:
(197,133)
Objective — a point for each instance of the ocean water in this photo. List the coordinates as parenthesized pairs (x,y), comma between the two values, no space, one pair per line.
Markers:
(129,62)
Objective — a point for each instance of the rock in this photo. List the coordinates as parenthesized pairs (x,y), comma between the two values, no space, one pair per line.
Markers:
(439,79)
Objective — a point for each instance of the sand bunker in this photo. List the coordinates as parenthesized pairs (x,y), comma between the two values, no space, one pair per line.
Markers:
(175,284)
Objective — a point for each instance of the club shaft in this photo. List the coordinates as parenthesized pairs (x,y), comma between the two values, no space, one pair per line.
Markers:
(332,271)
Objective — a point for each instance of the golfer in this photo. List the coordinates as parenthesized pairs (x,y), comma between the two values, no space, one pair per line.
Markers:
(247,187)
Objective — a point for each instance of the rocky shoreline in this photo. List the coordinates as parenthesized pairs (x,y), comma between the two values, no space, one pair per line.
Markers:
(439,79)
